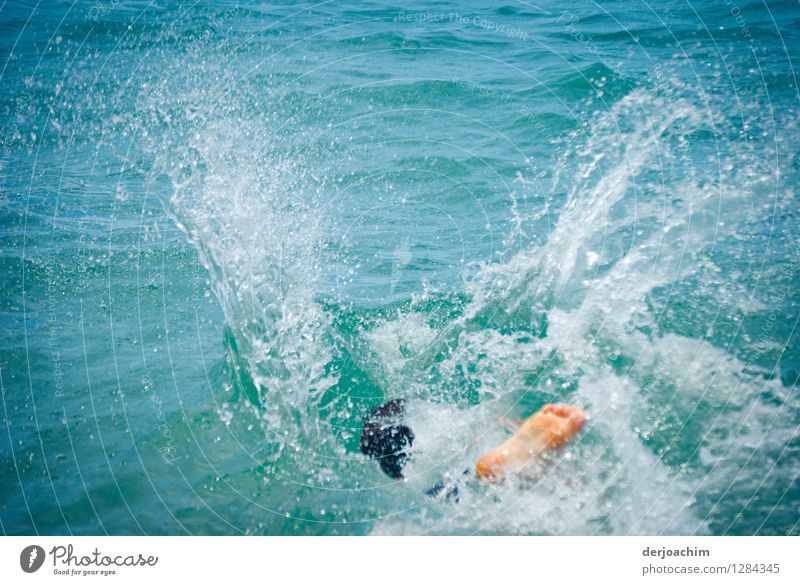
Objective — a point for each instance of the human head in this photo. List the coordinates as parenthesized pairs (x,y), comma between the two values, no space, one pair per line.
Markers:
(387,438)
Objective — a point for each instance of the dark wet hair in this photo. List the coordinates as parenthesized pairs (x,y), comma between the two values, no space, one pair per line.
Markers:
(387,438)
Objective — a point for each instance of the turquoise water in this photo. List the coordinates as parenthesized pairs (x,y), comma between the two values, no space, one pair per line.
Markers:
(229,229)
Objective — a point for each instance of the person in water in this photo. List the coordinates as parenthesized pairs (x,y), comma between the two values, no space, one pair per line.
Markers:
(386,437)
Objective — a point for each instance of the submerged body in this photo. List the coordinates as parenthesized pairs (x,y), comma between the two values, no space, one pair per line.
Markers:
(387,438)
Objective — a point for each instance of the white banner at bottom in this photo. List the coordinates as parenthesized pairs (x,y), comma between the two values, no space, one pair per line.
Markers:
(407,560)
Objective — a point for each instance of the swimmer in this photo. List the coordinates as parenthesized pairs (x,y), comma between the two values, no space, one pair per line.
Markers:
(388,439)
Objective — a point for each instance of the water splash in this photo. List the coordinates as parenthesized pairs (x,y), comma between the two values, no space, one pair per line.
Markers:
(572,319)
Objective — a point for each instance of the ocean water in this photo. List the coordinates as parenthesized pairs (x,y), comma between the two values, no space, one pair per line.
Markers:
(229,229)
